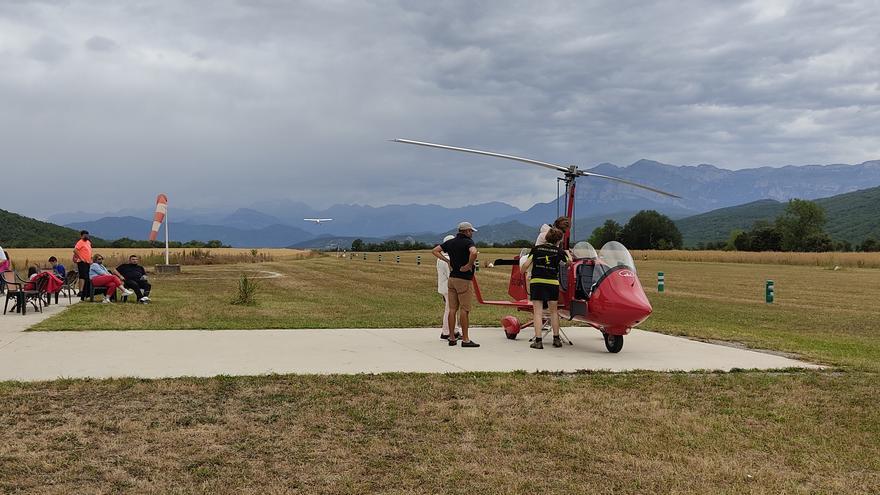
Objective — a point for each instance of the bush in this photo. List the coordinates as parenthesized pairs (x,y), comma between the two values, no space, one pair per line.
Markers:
(247,291)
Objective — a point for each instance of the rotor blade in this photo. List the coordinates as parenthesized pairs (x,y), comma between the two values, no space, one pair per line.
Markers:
(552,166)
(631,183)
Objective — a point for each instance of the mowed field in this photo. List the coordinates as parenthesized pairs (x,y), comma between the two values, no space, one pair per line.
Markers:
(743,432)
(827,315)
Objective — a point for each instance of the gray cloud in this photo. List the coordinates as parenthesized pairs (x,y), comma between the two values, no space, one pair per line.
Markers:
(232,102)
(101,44)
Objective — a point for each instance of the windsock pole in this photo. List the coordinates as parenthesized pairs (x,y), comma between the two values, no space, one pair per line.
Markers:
(167,262)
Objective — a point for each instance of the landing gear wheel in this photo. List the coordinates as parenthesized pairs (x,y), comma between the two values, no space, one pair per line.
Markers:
(614,343)
(511,336)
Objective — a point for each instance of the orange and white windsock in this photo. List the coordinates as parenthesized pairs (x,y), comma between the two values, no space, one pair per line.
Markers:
(159,216)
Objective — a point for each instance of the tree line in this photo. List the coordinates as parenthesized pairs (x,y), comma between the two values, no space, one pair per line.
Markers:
(800,228)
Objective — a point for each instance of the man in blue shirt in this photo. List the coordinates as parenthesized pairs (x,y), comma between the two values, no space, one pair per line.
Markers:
(58,268)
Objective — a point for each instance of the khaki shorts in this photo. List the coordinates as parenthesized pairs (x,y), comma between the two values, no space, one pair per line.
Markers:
(459,294)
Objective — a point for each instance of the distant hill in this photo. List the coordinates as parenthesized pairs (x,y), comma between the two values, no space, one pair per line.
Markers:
(17,231)
(851,217)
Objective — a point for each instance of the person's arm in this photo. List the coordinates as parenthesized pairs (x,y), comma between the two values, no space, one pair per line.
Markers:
(527,263)
(438,253)
(471,258)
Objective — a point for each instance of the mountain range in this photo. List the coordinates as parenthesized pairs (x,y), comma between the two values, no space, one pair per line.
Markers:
(703,188)
(851,217)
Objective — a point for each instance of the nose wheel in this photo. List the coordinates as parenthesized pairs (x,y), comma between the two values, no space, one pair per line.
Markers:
(614,343)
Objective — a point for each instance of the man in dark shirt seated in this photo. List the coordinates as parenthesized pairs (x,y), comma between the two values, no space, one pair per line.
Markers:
(135,278)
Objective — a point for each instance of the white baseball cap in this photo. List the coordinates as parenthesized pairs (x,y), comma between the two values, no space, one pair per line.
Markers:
(466,226)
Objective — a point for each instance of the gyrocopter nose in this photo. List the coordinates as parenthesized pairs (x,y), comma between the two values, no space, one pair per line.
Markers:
(634,307)
(620,303)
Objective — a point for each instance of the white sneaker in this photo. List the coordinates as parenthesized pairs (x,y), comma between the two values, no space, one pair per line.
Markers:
(144,300)
(127,292)
(106,300)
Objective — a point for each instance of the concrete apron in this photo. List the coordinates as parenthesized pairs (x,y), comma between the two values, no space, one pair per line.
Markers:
(30,356)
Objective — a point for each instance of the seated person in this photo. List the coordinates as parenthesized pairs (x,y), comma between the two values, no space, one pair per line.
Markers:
(5,265)
(5,262)
(135,278)
(102,277)
(58,268)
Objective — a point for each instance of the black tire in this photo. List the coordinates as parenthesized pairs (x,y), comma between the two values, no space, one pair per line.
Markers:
(614,343)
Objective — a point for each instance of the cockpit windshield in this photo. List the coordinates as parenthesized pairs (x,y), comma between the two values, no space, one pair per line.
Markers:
(584,251)
(614,254)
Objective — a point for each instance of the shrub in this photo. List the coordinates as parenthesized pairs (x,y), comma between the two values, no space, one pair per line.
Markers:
(247,291)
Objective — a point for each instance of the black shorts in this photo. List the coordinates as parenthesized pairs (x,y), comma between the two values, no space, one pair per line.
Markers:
(83,269)
(543,292)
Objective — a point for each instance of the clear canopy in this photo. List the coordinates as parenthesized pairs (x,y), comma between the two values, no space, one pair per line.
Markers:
(614,254)
(584,251)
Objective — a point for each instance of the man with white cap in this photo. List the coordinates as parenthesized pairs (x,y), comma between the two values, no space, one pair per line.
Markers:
(462,254)
(443,290)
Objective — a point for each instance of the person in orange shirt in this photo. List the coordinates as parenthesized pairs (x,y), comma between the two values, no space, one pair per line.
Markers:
(82,254)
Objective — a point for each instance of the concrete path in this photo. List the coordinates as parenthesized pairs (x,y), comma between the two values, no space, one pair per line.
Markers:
(31,356)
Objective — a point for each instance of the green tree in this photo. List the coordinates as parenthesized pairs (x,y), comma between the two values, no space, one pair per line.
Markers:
(357,245)
(609,231)
(649,229)
(801,226)
(739,241)
(765,237)
(870,245)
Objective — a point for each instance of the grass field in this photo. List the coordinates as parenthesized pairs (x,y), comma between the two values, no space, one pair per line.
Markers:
(636,433)
(826,315)
(747,432)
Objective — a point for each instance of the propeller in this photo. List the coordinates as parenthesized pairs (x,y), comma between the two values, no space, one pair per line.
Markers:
(573,170)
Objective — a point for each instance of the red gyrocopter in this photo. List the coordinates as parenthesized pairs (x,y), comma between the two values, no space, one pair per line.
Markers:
(600,289)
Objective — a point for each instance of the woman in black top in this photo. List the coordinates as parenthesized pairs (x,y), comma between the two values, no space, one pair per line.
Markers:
(544,287)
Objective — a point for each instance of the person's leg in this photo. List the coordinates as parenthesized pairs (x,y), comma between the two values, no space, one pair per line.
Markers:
(83,272)
(538,317)
(554,317)
(463,318)
(452,301)
(464,288)
(133,285)
(145,287)
(538,321)
(107,281)
(445,331)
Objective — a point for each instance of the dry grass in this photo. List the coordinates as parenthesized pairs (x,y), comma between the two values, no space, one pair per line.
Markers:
(830,259)
(25,257)
(754,433)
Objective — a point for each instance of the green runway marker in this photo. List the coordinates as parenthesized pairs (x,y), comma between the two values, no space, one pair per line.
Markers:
(661,282)
(769,291)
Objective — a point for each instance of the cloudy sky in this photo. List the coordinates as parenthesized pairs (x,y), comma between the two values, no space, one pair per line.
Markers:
(105,104)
